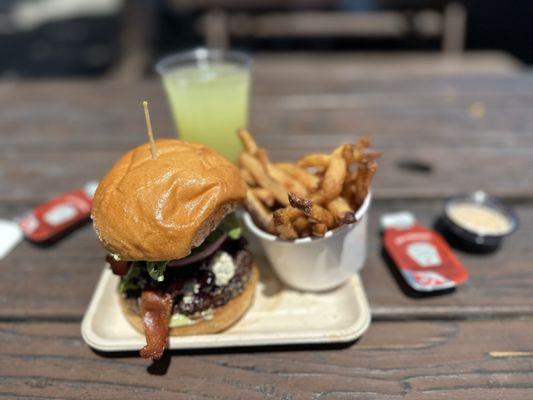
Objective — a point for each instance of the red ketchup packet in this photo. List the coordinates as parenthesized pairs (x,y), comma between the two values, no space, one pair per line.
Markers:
(58,215)
(422,256)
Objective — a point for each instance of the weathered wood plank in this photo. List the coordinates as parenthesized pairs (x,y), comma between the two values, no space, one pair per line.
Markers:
(497,286)
(503,172)
(58,116)
(414,360)
(56,136)
(63,277)
(440,127)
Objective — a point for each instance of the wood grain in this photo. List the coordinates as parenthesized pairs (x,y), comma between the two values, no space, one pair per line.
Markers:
(63,276)
(470,344)
(501,172)
(414,360)
(75,131)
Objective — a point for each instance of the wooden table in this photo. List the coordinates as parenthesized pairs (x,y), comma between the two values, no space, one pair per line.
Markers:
(470,131)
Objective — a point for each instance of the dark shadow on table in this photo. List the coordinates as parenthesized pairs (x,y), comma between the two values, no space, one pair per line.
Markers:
(160,367)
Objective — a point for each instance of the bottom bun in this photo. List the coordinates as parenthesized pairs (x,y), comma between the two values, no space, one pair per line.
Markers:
(223,316)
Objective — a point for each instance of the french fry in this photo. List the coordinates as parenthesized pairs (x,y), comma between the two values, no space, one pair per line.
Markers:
(371,155)
(334,178)
(363,143)
(307,198)
(359,148)
(280,176)
(319,229)
(293,213)
(345,151)
(341,210)
(283,224)
(314,160)
(341,149)
(364,179)
(306,232)
(318,197)
(260,214)
(348,188)
(352,176)
(371,171)
(247,141)
(312,210)
(255,168)
(301,225)
(248,178)
(359,183)
(309,180)
(264,195)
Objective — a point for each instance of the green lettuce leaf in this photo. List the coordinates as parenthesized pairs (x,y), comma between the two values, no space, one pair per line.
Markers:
(134,278)
(156,270)
(141,271)
(230,225)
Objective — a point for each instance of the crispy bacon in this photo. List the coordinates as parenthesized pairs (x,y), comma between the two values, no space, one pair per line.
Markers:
(156,308)
(118,267)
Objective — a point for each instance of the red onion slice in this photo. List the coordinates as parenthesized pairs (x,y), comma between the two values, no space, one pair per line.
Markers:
(209,249)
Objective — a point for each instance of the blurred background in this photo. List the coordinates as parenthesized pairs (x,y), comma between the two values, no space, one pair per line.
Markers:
(121,39)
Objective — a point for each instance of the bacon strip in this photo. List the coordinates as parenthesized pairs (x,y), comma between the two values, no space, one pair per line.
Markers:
(156,308)
(118,267)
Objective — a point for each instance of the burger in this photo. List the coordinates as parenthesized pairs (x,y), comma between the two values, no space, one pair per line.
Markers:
(168,223)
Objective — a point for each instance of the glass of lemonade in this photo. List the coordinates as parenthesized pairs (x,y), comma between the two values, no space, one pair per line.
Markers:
(208,91)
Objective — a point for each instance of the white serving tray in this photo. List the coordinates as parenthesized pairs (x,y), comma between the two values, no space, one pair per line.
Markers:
(278,316)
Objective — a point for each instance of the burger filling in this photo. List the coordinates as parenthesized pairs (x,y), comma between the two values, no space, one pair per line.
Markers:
(183,292)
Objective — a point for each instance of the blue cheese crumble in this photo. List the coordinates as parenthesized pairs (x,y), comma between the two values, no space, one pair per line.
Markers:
(223,267)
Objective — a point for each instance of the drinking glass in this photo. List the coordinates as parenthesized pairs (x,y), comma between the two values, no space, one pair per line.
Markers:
(208,92)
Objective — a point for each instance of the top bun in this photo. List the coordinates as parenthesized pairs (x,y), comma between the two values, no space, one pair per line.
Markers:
(158,209)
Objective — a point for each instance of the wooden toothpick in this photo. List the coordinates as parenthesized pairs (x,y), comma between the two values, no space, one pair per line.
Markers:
(149,130)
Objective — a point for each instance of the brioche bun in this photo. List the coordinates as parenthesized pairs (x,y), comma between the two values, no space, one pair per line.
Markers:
(223,316)
(158,209)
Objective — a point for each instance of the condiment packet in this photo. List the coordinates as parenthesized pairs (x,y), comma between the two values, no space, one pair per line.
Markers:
(421,255)
(50,220)
(10,236)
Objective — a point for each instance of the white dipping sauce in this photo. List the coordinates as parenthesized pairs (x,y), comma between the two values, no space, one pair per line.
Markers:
(479,219)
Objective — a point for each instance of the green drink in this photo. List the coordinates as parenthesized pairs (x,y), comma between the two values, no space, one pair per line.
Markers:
(208,93)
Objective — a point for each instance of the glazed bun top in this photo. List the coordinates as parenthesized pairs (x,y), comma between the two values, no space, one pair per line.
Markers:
(158,209)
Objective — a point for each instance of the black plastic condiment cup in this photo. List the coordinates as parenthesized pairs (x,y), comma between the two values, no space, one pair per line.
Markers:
(477,241)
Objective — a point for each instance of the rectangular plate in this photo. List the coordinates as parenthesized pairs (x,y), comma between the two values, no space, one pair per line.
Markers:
(277,316)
